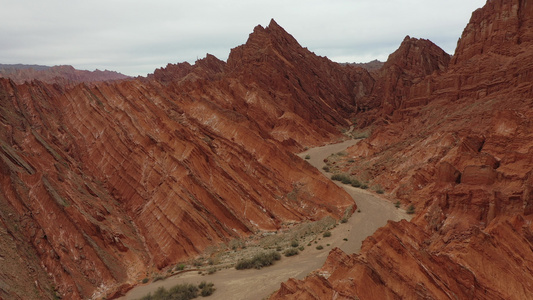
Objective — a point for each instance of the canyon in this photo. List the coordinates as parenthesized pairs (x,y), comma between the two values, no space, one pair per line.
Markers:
(105,183)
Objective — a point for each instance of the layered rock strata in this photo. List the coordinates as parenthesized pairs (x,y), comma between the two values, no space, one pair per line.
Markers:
(102,184)
(457,145)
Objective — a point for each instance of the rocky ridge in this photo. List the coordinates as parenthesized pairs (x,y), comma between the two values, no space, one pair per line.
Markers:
(104,183)
(57,74)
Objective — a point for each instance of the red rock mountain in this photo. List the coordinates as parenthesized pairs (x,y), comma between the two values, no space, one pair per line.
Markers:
(453,139)
(56,74)
(103,183)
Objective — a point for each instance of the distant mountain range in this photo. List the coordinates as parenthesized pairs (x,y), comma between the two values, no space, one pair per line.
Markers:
(21,73)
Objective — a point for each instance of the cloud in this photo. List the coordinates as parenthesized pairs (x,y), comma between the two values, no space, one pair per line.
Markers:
(136,37)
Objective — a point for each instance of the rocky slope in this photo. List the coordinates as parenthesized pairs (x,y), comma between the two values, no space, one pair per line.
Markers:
(456,142)
(56,74)
(103,183)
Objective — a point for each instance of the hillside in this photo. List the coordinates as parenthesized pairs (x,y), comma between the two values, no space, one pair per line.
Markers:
(107,182)
(452,137)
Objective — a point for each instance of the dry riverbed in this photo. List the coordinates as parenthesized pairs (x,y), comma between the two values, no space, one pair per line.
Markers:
(216,265)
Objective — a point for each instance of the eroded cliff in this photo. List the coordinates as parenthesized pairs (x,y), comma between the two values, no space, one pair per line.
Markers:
(103,183)
(457,146)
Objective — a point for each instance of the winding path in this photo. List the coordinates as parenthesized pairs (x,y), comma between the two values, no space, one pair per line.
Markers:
(259,284)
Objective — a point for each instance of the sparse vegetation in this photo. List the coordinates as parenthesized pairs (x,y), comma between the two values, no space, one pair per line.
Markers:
(411,209)
(182,292)
(291,252)
(308,156)
(294,244)
(258,261)
(319,247)
(145,280)
(397,204)
(158,277)
(326,234)
(325,168)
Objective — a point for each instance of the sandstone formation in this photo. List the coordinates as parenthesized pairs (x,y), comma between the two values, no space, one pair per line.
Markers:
(106,182)
(56,74)
(455,141)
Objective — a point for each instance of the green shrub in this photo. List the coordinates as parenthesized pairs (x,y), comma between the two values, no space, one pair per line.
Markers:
(356,183)
(180,267)
(380,191)
(294,244)
(325,168)
(397,204)
(291,252)
(364,186)
(308,156)
(258,261)
(344,220)
(180,291)
(411,209)
(319,247)
(207,289)
(145,280)
(301,248)
(326,234)
(158,277)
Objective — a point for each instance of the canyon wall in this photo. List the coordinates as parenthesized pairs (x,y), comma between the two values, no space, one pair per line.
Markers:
(456,143)
(104,183)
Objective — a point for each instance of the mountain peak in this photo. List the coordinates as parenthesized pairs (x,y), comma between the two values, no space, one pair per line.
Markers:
(499,27)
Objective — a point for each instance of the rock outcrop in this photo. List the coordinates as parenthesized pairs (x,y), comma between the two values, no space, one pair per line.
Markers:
(458,146)
(103,183)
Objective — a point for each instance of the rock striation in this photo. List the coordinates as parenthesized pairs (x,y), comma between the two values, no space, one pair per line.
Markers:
(456,143)
(104,183)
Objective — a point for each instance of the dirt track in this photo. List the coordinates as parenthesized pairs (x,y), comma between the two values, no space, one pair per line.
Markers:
(259,284)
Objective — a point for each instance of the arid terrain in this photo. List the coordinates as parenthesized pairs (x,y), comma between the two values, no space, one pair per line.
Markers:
(259,284)
(108,183)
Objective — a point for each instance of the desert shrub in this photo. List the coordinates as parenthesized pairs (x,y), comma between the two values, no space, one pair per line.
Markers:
(258,261)
(206,289)
(364,186)
(308,156)
(356,183)
(344,220)
(180,267)
(319,247)
(380,191)
(325,168)
(326,234)
(345,239)
(291,252)
(180,291)
(145,280)
(411,209)
(158,277)
(294,244)
(397,204)
(301,248)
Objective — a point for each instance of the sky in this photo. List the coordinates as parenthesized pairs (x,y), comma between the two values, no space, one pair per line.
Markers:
(135,37)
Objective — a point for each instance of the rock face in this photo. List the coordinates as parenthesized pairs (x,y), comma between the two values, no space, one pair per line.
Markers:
(56,74)
(103,183)
(457,144)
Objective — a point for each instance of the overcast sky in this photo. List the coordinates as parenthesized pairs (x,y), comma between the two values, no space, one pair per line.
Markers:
(135,37)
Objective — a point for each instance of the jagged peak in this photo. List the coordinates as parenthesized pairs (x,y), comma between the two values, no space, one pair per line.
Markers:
(421,56)
(499,28)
